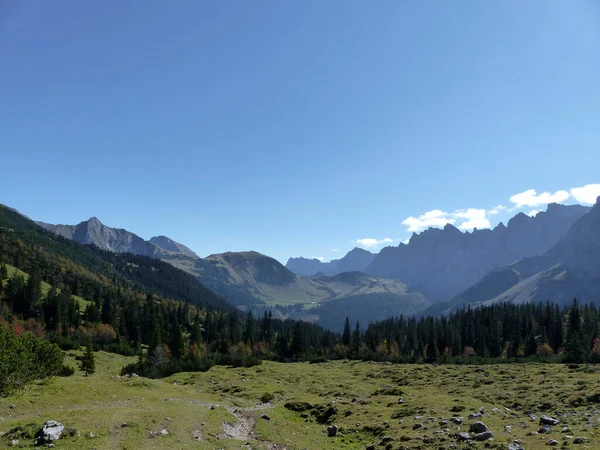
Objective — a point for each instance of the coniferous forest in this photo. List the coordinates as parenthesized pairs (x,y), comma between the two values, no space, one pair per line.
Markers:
(68,294)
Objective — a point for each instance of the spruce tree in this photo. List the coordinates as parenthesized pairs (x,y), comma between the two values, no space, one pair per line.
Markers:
(88,363)
(575,348)
(346,335)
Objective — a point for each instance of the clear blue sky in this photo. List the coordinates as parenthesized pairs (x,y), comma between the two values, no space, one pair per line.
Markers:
(293,128)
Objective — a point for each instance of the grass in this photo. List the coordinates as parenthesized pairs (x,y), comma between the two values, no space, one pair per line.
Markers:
(181,404)
(11,270)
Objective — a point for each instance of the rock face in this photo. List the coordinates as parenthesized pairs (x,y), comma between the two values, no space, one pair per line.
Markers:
(442,263)
(49,433)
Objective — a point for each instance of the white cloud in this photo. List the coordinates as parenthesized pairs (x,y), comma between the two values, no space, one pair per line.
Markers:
(586,194)
(496,210)
(320,258)
(435,218)
(532,198)
(334,250)
(372,243)
(474,218)
(533,212)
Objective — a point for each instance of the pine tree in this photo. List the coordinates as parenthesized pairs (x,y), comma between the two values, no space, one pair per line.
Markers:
(3,272)
(346,335)
(88,362)
(575,349)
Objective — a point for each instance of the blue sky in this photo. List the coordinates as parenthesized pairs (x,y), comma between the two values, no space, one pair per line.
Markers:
(296,128)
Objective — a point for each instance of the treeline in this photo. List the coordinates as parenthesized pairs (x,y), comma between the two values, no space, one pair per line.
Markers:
(140,306)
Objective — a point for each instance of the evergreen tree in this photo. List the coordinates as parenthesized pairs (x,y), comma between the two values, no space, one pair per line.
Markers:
(88,362)
(3,272)
(33,293)
(575,348)
(346,337)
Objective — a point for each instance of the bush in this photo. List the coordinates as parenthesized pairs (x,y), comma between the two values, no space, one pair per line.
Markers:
(26,358)
(267,397)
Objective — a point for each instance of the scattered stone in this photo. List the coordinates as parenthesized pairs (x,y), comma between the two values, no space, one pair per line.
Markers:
(14,442)
(580,440)
(483,436)
(533,417)
(457,408)
(164,432)
(349,413)
(400,400)
(265,417)
(197,435)
(545,420)
(478,427)
(508,428)
(565,429)
(405,438)
(463,436)
(385,440)
(50,432)
(91,435)
(552,442)
(515,446)
(456,420)
(416,426)
(545,429)
(370,447)
(332,430)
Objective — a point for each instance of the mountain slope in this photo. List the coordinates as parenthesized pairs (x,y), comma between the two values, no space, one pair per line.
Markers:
(441,263)
(570,268)
(356,259)
(258,282)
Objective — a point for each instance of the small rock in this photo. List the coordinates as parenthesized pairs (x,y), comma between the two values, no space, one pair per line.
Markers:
(533,417)
(515,446)
(349,413)
(508,428)
(457,408)
(370,447)
(552,442)
(14,442)
(456,420)
(545,420)
(385,440)
(545,429)
(565,429)
(332,430)
(478,427)
(50,432)
(416,426)
(265,417)
(483,436)
(91,435)
(474,415)
(580,440)
(164,432)
(463,436)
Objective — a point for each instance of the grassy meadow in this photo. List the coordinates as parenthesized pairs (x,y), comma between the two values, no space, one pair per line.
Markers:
(390,406)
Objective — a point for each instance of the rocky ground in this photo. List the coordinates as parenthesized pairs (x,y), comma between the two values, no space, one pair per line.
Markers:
(332,405)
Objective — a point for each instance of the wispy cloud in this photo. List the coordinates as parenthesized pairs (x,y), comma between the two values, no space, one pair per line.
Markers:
(496,210)
(334,250)
(468,219)
(372,242)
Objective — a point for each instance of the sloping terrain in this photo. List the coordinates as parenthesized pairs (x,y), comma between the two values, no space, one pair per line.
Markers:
(442,263)
(571,268)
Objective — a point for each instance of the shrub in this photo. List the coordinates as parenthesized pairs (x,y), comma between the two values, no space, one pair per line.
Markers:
(267,397)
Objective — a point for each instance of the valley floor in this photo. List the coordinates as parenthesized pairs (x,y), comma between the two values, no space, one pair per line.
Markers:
(405,406)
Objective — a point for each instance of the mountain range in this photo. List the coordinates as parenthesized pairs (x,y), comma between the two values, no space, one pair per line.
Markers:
(356,259)
(554,256)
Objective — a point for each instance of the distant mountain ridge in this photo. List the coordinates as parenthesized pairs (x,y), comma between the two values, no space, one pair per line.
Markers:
(118,240)
(356,259)
(570,268)
(441,263)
